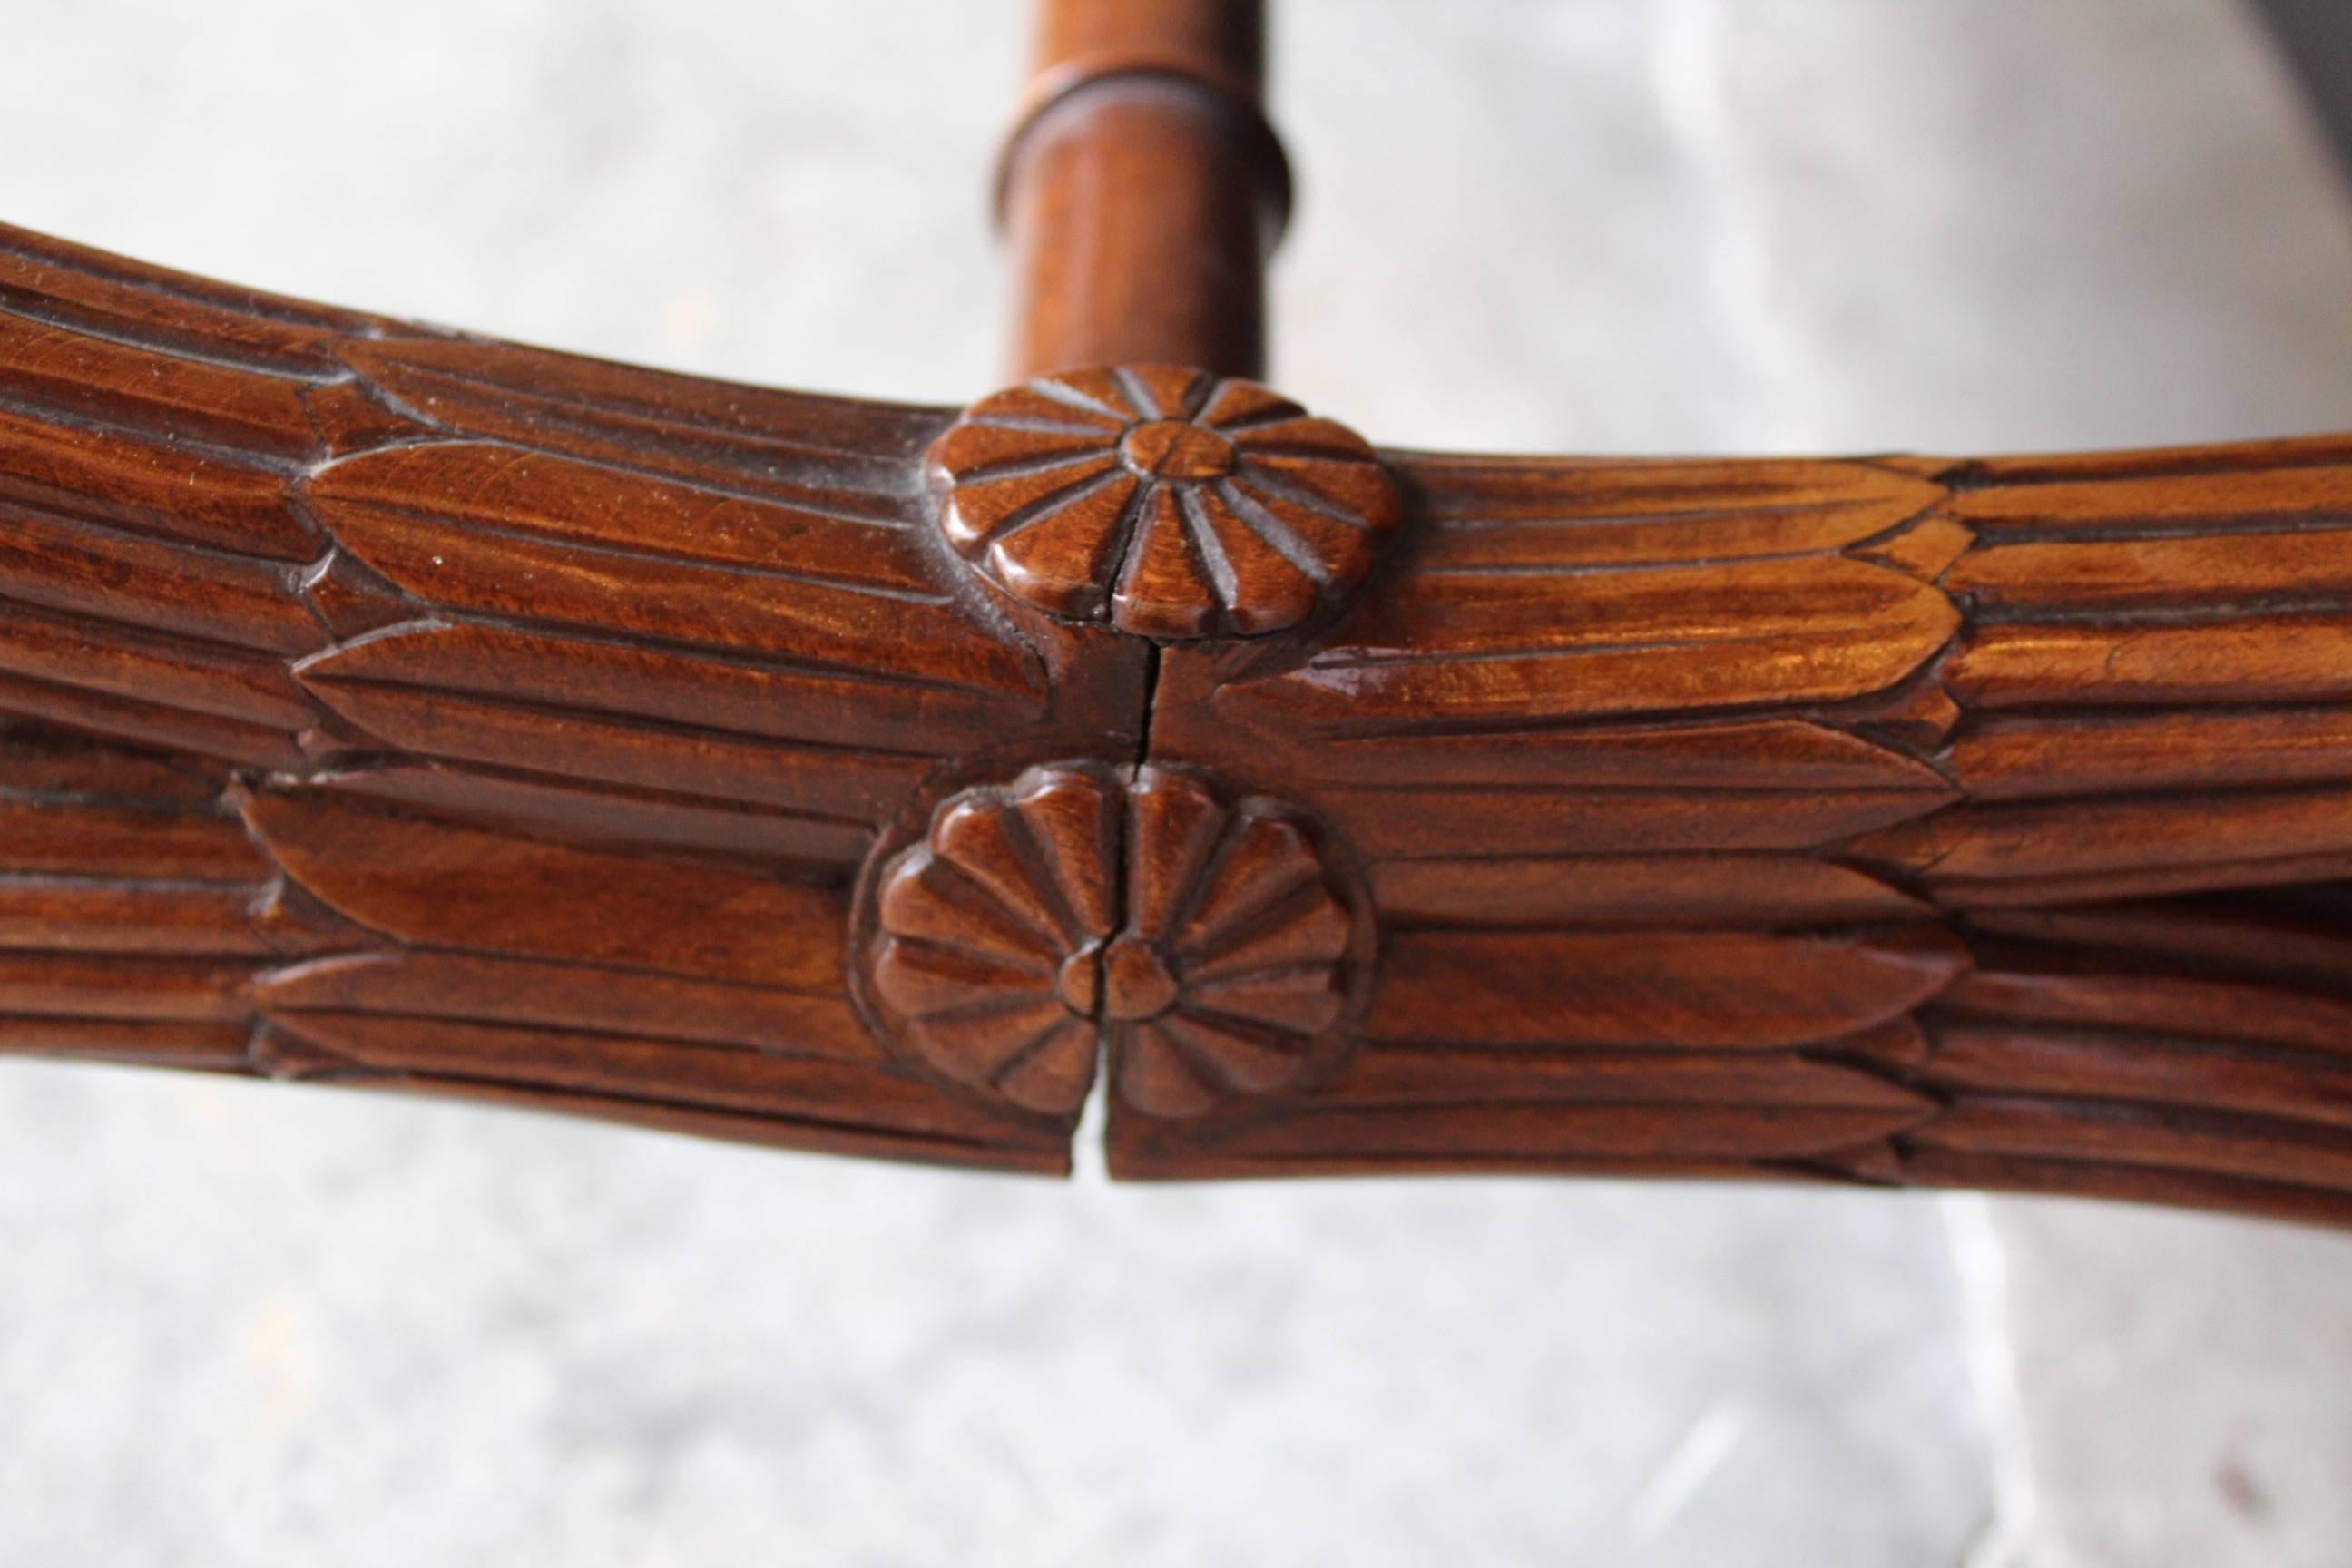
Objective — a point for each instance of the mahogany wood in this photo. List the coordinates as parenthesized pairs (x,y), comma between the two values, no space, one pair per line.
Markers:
(384,706)
(1142,188)
(395,709)
(1900,821)
(1164,502)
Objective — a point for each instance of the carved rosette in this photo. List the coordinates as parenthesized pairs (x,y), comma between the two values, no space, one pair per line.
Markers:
(1162,500)
(1212,949)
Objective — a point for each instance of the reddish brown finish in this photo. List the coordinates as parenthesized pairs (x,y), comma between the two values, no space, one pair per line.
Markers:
(388,707)
(1221,42)
(1167,503)
(1143,190)
(1772,817)
(1214,949)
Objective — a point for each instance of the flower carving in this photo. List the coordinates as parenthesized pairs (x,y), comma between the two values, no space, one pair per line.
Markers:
(1210,948)
(1163,500)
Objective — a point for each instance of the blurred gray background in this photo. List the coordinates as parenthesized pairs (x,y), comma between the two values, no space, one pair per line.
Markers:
(252,1325)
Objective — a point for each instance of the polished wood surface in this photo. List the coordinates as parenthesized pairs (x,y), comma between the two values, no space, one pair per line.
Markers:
(1164,501)
(1142,188)
(1900,821)
(390,708)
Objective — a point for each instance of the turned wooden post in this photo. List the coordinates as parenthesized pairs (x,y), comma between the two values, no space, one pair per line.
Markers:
(1142,188)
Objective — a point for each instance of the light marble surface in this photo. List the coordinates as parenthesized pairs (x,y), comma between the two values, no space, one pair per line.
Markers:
(252,1325)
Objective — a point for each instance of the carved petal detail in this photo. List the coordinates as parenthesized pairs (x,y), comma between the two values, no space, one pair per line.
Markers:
(1163,500)
(1211,948)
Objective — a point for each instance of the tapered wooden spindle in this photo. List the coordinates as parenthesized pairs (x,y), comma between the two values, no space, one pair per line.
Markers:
(1142,188)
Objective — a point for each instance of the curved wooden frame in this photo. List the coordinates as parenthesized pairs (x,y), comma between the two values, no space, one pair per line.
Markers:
(399,709)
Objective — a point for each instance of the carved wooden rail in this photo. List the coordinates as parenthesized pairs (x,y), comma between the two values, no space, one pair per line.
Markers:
(406,709)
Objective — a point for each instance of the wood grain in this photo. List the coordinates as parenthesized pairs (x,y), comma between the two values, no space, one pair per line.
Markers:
(421,711)
(1142,189)
(385,708)
(1902,822)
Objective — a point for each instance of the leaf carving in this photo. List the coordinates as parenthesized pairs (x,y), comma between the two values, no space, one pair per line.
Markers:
(392,708)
